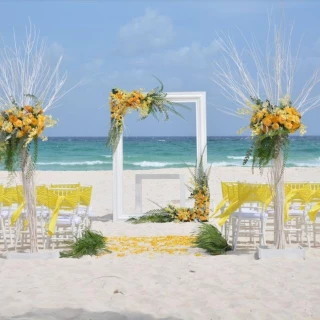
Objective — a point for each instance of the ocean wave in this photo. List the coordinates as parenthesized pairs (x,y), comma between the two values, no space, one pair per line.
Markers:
(162,140)
(302,164)
(224,164)
(75,163)
(235,157)
(106,155)
(155,164)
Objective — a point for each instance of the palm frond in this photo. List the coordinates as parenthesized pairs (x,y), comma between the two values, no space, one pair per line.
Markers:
(211,240)
(91,243)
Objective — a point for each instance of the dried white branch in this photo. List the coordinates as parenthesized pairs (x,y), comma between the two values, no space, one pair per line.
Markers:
(272,74)
(25,70)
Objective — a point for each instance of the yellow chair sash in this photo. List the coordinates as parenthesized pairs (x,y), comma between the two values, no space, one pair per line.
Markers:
(54,216)
(313,212)
(16,214)
(246,193)
(68,201)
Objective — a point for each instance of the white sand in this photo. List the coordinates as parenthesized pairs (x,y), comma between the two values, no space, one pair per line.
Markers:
(234,286)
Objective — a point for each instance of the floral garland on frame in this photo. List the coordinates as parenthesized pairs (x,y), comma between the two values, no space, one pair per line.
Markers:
(122,102)
(271,126)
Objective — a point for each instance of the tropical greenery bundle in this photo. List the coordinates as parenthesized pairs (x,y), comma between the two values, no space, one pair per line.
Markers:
(200,192)
(91,243)
(122,102)
(211,240)
(271,126)
(19,127)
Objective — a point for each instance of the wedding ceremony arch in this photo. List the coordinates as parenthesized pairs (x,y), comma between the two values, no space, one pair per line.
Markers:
(199,99)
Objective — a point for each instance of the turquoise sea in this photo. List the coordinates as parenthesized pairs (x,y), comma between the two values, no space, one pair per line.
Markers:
(143,153)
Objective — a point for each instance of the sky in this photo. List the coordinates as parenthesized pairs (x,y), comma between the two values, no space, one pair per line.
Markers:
(124,44)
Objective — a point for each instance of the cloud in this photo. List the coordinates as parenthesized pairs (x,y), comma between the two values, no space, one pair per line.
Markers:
(193,56)
(146,33)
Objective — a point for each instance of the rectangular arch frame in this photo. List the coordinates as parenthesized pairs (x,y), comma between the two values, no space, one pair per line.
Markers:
(199,98)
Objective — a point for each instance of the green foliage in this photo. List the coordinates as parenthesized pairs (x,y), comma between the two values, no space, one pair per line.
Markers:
(161,215)
(199,179)
(91,243)
(211,240)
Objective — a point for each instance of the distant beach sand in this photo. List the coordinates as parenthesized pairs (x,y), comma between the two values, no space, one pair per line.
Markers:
(161,286)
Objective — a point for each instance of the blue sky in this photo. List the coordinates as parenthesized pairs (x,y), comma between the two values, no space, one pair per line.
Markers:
(124,43)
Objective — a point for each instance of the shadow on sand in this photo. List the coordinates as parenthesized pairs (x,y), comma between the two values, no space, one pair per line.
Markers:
(81,314)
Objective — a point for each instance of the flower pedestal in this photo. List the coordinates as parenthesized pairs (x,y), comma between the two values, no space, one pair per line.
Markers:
(29,190)
(264,252)
(43,255)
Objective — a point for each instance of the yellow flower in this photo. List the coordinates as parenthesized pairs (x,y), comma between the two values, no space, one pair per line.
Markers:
(34,121)
(26,121)
(275,126)
(9,128)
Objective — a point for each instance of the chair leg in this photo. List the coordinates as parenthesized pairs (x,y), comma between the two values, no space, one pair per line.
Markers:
(4,234)
(236,234)
(314,234)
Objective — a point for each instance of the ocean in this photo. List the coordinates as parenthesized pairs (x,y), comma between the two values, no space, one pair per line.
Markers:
(143,153)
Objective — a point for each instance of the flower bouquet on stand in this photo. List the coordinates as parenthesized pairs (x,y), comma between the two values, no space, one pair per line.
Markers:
(29,87)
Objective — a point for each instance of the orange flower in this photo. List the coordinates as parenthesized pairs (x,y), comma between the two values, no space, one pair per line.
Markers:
(288,125)
(20,134)
(34,121)
(18,123)
(282,119)
(28,108)
(13,118)
(26,129)
(275,126)
(259,115)
(267,122)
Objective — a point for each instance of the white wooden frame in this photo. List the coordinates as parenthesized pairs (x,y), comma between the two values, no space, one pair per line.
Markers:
(149,176)
(199,98)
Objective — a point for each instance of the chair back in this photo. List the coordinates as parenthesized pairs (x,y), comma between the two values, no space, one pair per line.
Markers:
(65,185)
(42,196)
(85,195)
(69,197)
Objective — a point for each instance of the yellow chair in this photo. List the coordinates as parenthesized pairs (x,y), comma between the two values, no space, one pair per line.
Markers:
(248,211)
(64,223)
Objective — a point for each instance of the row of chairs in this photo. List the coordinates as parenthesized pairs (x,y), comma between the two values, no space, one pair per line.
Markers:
(63,211)
(247,208)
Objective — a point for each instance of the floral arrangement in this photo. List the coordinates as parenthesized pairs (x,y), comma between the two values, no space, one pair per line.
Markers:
(122,102)
(19,126)
(271,126)
(200,192)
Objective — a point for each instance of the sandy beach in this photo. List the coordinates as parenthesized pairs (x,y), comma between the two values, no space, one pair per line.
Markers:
(190,285)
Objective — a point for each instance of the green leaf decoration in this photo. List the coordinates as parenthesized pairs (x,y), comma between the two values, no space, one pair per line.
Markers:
(210,239)
(91,243)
